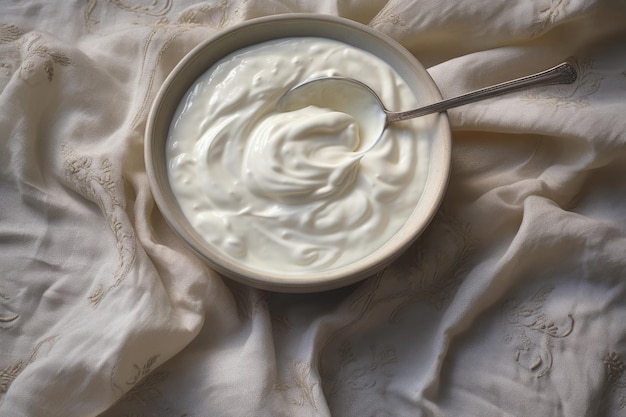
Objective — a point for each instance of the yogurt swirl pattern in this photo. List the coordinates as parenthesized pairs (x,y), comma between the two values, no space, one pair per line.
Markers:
(285,191)
(308,155)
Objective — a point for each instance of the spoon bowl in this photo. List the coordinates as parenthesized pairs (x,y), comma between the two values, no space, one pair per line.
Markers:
(357,99)
(345,95)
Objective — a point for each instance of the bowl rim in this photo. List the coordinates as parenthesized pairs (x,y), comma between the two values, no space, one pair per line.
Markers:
(309,282)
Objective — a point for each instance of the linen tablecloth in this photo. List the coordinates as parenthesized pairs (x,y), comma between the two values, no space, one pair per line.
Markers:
(512,303)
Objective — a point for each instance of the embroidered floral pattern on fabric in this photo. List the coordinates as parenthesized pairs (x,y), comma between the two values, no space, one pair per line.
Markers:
(6,69)
(151,8)
(439,261)
(39,56)
(587,83)
(549,16)
(357,376)
(176,30)
(216,15)
(429,271)
(7,317)
(9,54)
(11,372)
(9,33)
(90,20)
(301,384)
(386,16)
(96,183)
(148,388)
(163,24)
(141,372)
(146,397)
(616,377)
(135,379)
(534,333)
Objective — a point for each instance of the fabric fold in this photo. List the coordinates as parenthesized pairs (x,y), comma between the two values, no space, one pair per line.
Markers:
(511,302)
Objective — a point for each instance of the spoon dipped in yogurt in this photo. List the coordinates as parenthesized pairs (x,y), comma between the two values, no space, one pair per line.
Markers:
(358,99)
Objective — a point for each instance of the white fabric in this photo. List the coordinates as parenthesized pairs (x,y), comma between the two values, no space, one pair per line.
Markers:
(513,303)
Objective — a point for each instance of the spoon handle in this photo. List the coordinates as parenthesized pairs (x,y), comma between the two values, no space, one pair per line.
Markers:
(564,73)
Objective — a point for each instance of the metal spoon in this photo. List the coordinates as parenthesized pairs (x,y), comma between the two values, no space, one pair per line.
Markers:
(352,96)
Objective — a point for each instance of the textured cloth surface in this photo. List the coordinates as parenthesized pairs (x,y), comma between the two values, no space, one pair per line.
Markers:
(512,303)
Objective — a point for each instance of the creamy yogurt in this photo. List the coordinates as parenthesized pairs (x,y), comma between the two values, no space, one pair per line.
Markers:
(287,192)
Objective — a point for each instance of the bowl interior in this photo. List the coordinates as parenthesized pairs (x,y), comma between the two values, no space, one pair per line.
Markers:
(259,30)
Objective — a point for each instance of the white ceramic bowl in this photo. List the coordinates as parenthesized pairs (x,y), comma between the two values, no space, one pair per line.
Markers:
(252,32)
